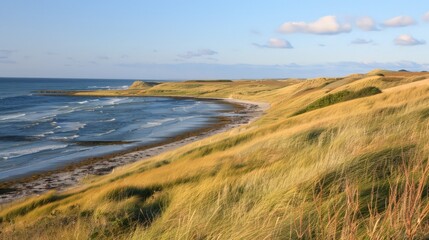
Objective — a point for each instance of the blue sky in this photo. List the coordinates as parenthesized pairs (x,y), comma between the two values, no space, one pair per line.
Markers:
(183,39)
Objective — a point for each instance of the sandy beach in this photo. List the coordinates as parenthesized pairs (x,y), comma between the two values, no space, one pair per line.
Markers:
(70,176)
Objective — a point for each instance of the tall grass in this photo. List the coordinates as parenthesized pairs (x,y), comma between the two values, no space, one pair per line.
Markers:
(357,170)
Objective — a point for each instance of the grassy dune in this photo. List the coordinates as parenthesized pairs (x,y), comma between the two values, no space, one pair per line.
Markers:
(356,168)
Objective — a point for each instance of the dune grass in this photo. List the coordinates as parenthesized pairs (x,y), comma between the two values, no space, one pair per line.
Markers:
(355,170)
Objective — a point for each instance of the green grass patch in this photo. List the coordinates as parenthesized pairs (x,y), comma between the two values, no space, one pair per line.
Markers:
(22,210)
(121,193)
(338,97)
(424,114)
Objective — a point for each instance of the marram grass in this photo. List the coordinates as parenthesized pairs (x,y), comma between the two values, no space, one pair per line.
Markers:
(355,169)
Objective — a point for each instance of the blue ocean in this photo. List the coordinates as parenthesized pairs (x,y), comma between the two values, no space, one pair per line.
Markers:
(40,133)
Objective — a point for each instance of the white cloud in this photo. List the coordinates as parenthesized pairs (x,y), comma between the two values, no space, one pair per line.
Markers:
(361,41)
(426,17)
(399,21)
(408,40)
(275,43)
(198,53)
(327,25)
(366,24)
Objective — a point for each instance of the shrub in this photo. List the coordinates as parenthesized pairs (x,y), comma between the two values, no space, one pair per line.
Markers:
(338,97)
(124,192)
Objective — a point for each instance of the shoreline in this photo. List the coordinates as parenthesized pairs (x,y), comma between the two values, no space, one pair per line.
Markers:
(71,175)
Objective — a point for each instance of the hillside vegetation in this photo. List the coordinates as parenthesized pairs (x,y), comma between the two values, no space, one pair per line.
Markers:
(353,165)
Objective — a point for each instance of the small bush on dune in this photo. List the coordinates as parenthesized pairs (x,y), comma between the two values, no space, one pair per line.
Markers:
(338,97)
(121,193)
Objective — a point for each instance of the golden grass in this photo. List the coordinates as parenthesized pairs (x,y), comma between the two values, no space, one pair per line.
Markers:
(352,170)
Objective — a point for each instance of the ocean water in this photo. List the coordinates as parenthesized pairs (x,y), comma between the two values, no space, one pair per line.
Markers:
(40,133)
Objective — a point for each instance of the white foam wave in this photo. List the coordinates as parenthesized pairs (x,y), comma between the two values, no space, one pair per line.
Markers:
(150,124)
(99,87)
(115,101)
(186,108)
(22,152)
(157,123)
(109,120)
(65,138)
(44,134)
(47,115)
(185,118)
(83,102)
(70,126)
(105,133)
(12,116)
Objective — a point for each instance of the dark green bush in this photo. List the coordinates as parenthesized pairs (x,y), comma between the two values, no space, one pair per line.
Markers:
(122,193)
(337,97)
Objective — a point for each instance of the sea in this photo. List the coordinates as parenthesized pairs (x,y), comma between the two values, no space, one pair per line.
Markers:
(42,133)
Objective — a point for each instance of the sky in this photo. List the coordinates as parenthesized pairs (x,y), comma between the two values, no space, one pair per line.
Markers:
(222,39)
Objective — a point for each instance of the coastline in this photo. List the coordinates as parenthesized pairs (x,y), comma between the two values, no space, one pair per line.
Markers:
(71,175)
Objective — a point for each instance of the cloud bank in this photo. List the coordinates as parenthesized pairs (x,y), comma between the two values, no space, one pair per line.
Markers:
(198,53)
(408,40)
(399,21)
(361,41)
(366,24)
(328,25)
(275,43)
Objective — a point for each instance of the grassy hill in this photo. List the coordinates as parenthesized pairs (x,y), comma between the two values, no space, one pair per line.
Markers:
(353,164)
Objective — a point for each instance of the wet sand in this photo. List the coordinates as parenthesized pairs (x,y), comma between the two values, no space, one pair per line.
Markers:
(69,176)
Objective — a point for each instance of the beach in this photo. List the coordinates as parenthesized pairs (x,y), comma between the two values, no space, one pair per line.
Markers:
(71,175)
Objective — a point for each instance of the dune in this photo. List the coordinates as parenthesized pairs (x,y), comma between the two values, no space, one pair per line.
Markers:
(353,167)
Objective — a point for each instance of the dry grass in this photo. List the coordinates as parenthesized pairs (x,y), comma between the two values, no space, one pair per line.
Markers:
(352,170)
